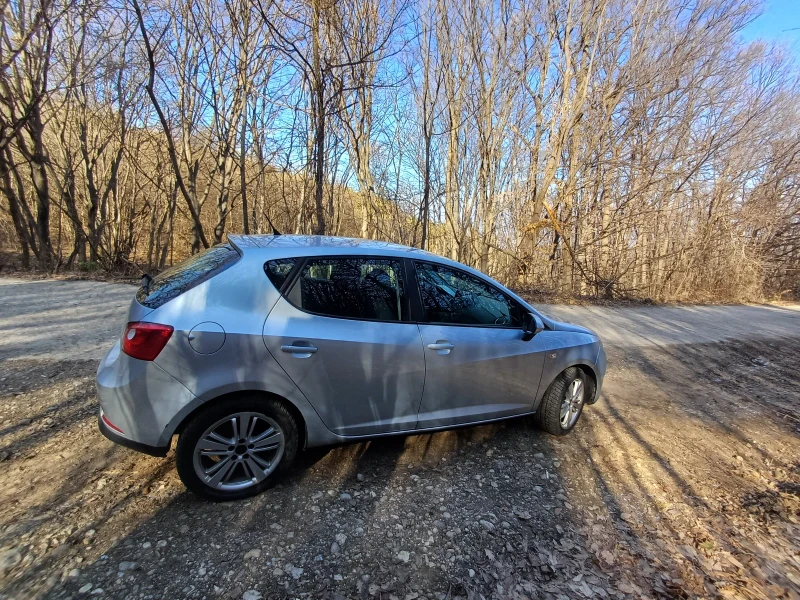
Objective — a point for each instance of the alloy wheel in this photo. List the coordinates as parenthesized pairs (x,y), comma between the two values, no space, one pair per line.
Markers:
(572,402)
(239,451)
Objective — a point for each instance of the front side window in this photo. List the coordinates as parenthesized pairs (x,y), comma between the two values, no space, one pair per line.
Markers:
(182,277)
(452,296)
(354,288)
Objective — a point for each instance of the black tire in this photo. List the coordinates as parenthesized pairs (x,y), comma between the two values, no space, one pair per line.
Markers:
(200,423)
(549,413)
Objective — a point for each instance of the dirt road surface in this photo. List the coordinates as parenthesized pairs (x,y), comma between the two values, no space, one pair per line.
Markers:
(682,481)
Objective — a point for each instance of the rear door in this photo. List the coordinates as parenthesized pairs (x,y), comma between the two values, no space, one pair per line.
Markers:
(477,365)
(341,331)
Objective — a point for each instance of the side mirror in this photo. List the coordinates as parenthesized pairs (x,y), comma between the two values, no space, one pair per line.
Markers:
(531,326)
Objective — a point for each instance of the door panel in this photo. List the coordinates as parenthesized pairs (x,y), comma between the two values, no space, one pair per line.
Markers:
(362,377)
(477,365)
(488,373)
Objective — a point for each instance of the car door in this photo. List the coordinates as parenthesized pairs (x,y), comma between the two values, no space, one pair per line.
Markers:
(477,365)
(341,331)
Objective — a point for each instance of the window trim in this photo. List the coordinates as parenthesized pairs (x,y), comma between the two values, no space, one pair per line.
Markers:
(294,276)
(287,283)
(420,315)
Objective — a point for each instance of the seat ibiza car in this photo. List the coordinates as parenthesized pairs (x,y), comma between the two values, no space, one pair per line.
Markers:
(254,349)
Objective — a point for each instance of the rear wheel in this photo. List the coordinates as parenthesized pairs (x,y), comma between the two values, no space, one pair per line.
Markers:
(236,449)
(564,400)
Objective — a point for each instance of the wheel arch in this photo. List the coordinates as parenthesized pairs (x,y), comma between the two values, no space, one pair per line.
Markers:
(200,406)
(549,376)
(589,370)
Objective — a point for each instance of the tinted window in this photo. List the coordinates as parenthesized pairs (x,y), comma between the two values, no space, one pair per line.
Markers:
(451,296)
(193,271)
(278,270)
(356,288)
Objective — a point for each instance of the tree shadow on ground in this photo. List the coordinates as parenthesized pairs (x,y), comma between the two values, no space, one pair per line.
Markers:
(680,440)
(647,496)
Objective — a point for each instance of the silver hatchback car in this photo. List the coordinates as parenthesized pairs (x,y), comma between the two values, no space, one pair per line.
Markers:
(254,349)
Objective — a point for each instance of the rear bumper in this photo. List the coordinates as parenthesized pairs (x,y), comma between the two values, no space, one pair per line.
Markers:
(160,451)
(141,401)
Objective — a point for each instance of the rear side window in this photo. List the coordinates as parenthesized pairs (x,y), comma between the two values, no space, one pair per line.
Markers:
(182,277)
(278,270)
(353,288)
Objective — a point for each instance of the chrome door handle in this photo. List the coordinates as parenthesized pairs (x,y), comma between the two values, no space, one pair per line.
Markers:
(441,346)
(299,351)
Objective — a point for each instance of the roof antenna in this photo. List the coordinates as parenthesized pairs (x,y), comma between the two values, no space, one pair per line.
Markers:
(274,231)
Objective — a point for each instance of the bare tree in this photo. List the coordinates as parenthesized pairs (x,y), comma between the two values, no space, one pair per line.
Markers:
(190,68)
(603,147)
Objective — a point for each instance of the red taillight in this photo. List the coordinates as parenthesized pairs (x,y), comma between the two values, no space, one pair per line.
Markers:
(145,340)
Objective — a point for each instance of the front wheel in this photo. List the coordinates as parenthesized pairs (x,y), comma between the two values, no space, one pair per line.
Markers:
(235,449)
(563,401)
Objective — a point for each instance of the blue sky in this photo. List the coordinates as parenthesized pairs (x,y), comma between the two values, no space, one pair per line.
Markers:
(780,22)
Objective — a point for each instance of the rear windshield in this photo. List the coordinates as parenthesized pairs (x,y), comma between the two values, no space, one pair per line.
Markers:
(182,277)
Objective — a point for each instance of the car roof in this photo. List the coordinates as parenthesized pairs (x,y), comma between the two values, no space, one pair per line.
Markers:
(316,245)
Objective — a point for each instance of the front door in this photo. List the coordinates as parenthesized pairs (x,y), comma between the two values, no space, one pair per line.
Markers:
(341,332)
(478,367)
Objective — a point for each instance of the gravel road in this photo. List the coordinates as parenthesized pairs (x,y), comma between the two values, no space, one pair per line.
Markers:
(683,481)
